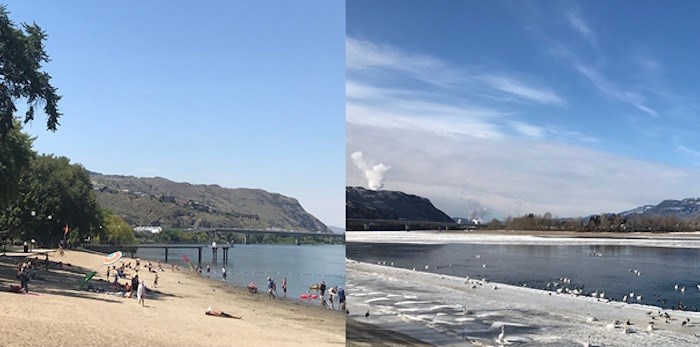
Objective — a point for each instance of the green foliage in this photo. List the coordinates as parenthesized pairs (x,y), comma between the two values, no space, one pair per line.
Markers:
(53,193)
(117,230)
(15,154)
(21,57)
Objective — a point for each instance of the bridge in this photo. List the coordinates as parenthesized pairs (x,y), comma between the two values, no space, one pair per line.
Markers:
(214,232)
(133,247)
(249,233)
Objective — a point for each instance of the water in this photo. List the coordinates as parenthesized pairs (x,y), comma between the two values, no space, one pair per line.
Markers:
(595,268)
(301,265)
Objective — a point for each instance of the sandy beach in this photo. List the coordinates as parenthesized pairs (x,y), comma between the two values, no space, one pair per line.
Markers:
(57,313)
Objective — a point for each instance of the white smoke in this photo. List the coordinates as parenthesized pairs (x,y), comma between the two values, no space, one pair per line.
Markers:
(477,211)
(375,174)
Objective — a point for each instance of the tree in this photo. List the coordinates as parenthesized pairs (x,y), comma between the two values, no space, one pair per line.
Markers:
(21,57)
(15,155)
(55,193)
(118,231)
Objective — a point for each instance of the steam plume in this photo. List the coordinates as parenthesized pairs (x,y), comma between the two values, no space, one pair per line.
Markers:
(375,174)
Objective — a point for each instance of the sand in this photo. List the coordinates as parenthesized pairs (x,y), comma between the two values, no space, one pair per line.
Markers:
(58,314)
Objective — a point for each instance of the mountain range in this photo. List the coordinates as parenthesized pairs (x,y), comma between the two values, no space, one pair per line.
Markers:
(156,201)
(682,209)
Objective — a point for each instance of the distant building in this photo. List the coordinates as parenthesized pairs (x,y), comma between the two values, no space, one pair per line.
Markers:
(150,230)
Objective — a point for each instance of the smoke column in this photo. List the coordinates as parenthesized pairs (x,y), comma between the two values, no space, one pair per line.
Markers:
(375,174)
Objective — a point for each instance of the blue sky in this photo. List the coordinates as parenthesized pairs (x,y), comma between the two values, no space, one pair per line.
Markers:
(502,108)
(240,94)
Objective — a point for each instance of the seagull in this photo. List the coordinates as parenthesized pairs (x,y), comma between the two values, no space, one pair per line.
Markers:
(590,319)
(613,325)
(367,314)
(624,298)
(588,342)
(683,290)
(676,286)
(502,336)
(650,327)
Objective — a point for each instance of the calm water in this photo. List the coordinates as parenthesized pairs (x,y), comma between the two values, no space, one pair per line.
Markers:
(595,268)
(301,265)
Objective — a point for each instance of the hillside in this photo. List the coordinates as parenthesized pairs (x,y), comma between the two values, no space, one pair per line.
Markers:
(390,205)
(158,201)
(686,209)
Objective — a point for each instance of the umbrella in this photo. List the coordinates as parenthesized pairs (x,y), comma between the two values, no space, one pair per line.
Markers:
(112,258)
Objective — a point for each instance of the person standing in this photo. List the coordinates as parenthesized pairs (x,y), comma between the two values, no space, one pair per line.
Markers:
(155,281)
(208,271)
(331,296)
(223,273)
(134,285)
(284,286)
(141,293)
(341,298)
(322,289)
(270,288)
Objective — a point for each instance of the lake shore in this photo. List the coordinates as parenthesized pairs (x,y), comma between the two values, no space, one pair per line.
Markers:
(521,237)
(432,305)
(57,313)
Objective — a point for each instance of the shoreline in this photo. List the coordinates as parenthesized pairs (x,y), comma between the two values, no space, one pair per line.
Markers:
(173,314)
(533,314)
(673,240)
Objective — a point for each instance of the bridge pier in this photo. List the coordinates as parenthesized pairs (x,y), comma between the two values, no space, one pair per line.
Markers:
(166,254)
(214,250)
(246,238)
(225,255)
(199,256)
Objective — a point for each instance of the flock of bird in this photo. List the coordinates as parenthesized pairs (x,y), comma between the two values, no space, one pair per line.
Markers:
(562,286)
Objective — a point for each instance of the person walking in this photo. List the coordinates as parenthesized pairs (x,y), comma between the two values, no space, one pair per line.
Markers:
(141,293)
(284,286)
(223,273)
(155,281)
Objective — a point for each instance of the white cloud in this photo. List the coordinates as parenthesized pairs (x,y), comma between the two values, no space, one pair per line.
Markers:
(516,176)
(599,81)
(518,88)
(365,55)
(360,55)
